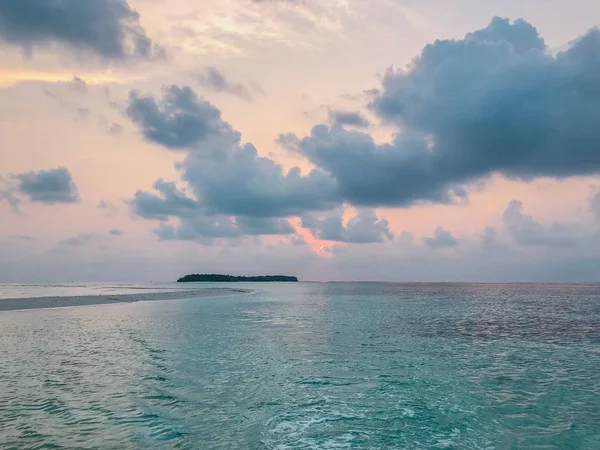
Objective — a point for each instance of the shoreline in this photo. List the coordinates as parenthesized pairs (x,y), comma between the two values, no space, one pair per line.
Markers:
(16,304)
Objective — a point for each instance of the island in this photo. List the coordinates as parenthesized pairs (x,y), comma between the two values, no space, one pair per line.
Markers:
(234,279)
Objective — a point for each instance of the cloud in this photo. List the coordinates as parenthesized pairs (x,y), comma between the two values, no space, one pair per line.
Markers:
(489,237)
(595,203)
(352,118)
(199,228)
(114,128)
(406,238)
(521,35)
(22,261)
(239,182)
(441,239)
(170,202)
(370,174)
(108,28)
(364,228)
(83,113)
(215,80)
(77,241)
(226,209)
(180,120)
(262,226)
(207,228)
(7,194)
(223,176)
(47,186)
(78,85)
(257,88)
(116,232)
(247,28)
(496,102)
(527,231)
(109,209)
(70,96)
(467,262)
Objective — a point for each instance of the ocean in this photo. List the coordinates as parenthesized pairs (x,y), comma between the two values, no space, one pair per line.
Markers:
(306,366)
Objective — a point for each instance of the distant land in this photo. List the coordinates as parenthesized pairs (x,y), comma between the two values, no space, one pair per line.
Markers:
(234,279)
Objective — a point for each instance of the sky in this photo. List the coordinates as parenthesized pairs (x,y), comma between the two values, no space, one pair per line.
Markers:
(389,140)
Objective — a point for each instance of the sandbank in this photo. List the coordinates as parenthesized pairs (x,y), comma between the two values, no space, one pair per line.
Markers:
(12,304)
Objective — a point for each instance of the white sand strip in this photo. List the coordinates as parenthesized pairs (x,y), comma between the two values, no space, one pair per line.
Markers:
(11,304)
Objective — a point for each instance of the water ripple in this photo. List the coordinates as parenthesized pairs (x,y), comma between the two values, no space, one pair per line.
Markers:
(310,366)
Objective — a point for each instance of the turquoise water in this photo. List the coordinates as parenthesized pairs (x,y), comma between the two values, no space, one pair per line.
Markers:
(310,366)
(29,290)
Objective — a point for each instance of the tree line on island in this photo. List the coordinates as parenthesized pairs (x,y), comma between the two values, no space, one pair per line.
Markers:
(232,278)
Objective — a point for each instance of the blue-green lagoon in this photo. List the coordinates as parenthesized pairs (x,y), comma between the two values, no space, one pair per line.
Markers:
(310,366)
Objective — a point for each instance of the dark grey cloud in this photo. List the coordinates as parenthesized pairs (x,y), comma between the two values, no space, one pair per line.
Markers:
(224,177)
(47,186)
(116,232)
(441,239)
(521,35)
(364,228)
(330,227)
(180,120)
(108,28)
(527,231)
(169,201)
(221,212)
(215,80)
(207,228)
(239,182)
(495,102)
(352,118)
(200,228)
(264,226)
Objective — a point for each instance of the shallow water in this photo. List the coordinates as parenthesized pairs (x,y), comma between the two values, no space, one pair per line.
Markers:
(310,366)
(30,290)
